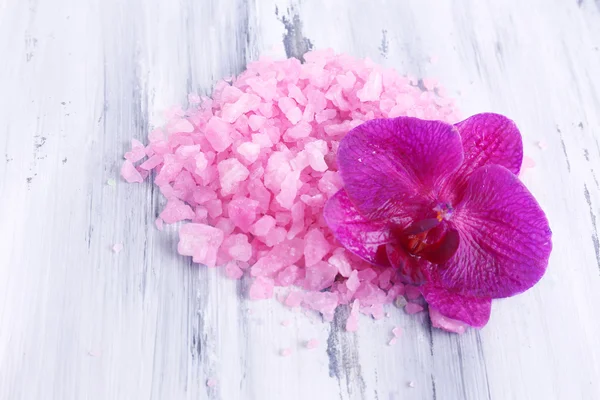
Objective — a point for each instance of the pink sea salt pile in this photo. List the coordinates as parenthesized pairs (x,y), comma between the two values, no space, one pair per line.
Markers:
(251,168)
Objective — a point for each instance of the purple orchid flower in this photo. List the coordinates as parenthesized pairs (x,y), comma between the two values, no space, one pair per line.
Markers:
(442,203)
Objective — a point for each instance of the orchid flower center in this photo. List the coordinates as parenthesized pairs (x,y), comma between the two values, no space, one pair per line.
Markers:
(432,239)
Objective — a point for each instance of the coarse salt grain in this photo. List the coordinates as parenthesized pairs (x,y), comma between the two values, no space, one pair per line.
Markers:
(286,352)
(253,167)
(312,344)
(117,248)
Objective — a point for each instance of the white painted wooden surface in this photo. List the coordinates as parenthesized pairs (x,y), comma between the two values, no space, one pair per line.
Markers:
(80,78)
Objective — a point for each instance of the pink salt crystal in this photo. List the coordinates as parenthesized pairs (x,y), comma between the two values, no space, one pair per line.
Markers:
(286,352)
(412,292)
(352,283)
(225,225)
(237,247)
(275,236)
(397,331)
(203,194)
(297,213)
(288,276)
(200,214)
(242,212)
(214,208)
(352,321)
(325,115)
(277,169)
(392,341)
(312,344)
(528,162)
(294,299)
(200,162)
(323,302)
(117,247)
(211,382)
(129,173)
(169,171)
(316,247)
(294,115)
(316,152)
(247,102)
(159,224)
(200,241)
(231,173)
(412,308)
(233,271)
(298,131)
(261,288)
(318,200)
(249,151)
(176,210)
(289,190)
(137,151)
(262,227)
(372,88)
(230,94)
(193,98)
(330,183)
(152,162)
(339,260)
(448,324)
(286,323)
(256,122)
(367,275)
(262,139)
(429,84)
(319,276)
(181,125)
(542,144)
(218,134)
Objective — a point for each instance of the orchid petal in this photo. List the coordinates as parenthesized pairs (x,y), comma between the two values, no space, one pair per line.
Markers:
(471,310)
(392,168)
(505,240)
(486,139)
(356,233)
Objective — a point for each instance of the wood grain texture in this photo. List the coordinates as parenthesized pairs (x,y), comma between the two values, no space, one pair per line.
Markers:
(80,78)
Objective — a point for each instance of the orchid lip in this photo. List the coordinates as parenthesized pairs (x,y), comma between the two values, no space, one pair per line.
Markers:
(414,240)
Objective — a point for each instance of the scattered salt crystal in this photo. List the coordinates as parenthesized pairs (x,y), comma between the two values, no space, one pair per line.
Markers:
(231,173)
(262,227)
(411,384)
(542,144)
(200,241)
(249,151)
(397,331)
(400,301)
(159,224)
(316,247)
(233,271)
(352,321)
(129,173)
(286,323)
(294,299)
(412,308)
(261,288)
(111,182)
(448,324)
(412,292)
(528,162)
(211,382)
(286,352)
(312,344)
(117,247)
(392,341)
